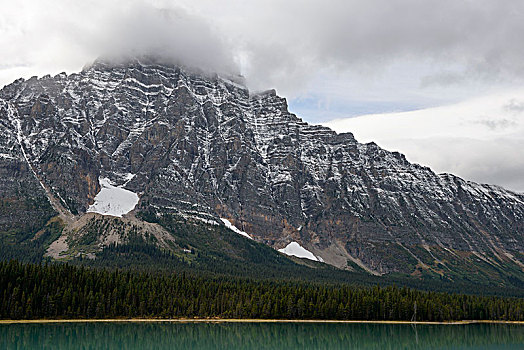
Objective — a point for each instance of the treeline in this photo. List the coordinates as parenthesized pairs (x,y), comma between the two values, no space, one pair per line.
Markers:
(30,291)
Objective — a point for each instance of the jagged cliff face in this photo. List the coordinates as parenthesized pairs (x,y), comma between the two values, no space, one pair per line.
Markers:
(204,146)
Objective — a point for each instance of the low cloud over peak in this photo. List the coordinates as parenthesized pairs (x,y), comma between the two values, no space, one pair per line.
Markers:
(59,35)
(171,35)
(277,44)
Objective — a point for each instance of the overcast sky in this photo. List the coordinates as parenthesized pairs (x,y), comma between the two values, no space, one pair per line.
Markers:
(441,81)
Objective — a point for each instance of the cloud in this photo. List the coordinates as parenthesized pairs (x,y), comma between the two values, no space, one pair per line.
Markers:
(295,39)
(53,36)
(514,106)
(169,34)
(479,139)
(280,44)
(497,124)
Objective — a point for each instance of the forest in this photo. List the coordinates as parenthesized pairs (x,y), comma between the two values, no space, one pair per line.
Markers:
(64,291)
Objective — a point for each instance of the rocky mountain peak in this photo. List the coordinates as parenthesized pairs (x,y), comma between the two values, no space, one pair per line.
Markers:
(203,146)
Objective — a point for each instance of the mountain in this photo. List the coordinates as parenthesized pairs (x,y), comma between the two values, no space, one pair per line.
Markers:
(203,149)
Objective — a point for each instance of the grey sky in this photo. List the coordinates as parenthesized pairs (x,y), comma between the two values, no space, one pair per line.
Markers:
(336,59)
(282,43)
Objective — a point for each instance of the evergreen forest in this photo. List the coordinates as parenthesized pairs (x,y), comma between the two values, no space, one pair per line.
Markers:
(60,291)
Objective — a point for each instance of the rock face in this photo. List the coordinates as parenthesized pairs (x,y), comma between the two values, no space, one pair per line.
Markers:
(203,145)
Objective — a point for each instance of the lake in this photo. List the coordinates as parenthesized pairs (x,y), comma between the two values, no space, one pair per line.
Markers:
(248,335)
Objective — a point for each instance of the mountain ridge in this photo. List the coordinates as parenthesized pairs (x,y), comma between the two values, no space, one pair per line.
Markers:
(206,147)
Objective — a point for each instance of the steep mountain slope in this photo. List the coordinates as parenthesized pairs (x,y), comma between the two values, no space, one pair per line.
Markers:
(202,146)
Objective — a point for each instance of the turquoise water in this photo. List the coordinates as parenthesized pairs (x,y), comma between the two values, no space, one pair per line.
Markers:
(165,335)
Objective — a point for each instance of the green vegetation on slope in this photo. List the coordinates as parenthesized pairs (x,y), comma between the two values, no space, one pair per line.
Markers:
(215,251)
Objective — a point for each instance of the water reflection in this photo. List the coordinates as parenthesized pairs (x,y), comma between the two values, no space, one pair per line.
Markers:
(166,335)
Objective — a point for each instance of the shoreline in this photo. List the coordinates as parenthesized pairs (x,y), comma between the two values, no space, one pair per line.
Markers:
(229,320)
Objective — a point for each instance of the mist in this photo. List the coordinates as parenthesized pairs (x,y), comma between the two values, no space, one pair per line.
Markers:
(274,43)
(60,35)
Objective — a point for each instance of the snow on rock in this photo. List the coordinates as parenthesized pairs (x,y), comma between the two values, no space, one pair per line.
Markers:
(297,250)
(113,200)
(128,177)
(233,228)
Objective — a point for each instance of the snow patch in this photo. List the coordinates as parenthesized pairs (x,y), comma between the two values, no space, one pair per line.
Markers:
(128,177)
(297,250)
(113,200)
(233,228)
(6,156)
